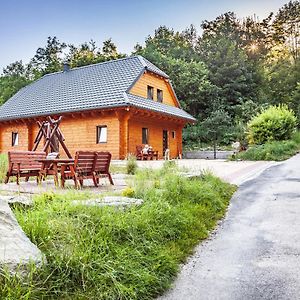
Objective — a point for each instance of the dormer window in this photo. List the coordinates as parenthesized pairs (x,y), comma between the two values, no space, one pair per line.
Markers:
(159,95)
(150,92)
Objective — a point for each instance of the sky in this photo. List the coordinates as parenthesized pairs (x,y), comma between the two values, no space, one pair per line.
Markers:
(26,24)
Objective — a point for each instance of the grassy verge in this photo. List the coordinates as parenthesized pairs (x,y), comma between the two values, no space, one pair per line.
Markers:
(278,150)
(3,166)
(109,253)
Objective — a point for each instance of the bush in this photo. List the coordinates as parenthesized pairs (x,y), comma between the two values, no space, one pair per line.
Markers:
(277,150)
(276,123)
(128,192)
(131,165)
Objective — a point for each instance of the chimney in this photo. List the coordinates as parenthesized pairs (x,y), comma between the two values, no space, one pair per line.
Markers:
(66,66)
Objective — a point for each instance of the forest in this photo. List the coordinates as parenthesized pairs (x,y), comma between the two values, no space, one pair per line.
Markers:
(223,75)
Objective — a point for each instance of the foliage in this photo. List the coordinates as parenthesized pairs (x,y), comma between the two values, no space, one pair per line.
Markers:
(48,59)
(88,53)
(276,150)
(108,253)
(128,192)
(287,27)
(3,166)
(273,124)
(131,165)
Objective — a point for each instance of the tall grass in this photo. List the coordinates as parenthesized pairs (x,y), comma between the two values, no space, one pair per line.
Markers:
(108,253)
(3,166)
(277,150)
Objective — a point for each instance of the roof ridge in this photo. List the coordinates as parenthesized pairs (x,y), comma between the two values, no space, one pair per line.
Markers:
(142,60)
(96,64)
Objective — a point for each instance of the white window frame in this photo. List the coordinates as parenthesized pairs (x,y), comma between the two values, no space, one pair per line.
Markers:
(101,132)
(15,139)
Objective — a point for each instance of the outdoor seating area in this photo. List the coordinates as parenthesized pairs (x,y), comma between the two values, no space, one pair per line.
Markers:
(86,165)
(146,152)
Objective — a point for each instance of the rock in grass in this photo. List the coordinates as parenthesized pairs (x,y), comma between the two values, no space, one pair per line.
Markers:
(109,201)
(22,199)
(16,250)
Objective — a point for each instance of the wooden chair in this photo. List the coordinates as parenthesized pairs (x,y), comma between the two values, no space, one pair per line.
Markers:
(24,164)
(101,167)
(139,153)
(153,154)
(82,168)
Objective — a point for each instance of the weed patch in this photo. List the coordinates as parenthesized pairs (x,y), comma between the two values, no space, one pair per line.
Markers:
(108,253)
(3,166)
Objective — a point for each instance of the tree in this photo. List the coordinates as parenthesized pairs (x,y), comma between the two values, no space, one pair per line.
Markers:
(217,124)
(88,53)
(15,76)
(229,71)
(50,58)
(287,27)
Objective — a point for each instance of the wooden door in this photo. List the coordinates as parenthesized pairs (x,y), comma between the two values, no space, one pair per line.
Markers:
(165,141)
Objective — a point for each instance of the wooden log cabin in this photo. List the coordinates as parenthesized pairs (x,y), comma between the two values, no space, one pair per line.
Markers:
(111,106)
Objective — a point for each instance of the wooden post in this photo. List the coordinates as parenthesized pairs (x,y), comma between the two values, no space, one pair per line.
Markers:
(123,117)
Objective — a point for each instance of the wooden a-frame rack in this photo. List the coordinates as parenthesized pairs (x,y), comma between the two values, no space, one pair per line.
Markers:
(49,130)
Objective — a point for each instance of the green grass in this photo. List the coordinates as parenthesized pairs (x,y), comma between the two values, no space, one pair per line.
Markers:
(109,253)
(277,150)
(3,166)
(117,169)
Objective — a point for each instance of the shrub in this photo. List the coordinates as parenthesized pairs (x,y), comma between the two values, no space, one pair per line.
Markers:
(275,123)
(131,165)
(128,192)
(276,150)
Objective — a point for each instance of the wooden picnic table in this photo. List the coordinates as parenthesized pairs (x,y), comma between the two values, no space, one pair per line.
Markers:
(50,166)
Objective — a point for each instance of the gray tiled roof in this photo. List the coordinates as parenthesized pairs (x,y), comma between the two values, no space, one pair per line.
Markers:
(158,107)
(95,86)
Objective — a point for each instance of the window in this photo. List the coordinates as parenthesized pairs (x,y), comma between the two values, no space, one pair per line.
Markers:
(173,134)
(144,135)
(150,92)
(14,138)
(101,134)
(159,95)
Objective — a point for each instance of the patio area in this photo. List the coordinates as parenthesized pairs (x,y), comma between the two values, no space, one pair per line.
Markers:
(31,187)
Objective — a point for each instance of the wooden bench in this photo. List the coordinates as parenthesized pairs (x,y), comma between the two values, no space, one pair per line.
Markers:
(24,164)
(101,168)
(87,165)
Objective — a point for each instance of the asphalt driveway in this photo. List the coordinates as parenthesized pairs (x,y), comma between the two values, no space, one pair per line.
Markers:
(255,252)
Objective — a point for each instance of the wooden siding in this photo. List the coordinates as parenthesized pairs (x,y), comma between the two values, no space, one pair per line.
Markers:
(124,132)
(155,128)
(79,133)
(6,137)
(140,88)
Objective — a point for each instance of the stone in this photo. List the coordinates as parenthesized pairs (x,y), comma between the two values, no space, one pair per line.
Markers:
(22,199)
(16,250)
(109,201)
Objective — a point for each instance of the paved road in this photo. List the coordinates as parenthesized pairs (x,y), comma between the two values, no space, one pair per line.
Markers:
(235,172)
(255,252)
